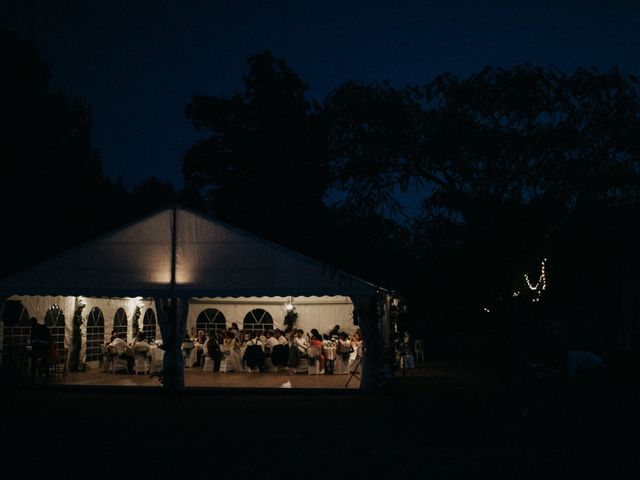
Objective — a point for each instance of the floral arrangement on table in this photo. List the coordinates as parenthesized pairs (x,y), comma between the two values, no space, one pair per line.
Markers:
(331,343)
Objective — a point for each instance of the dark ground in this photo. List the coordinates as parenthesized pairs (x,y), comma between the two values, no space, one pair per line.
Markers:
(451,418)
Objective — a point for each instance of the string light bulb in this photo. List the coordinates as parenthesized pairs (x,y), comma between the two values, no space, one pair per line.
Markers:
(540,286)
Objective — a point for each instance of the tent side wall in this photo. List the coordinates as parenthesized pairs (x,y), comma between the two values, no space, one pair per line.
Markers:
(38,306)
(321,313)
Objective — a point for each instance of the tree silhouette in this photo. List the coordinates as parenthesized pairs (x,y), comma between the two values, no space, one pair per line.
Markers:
(53,193)
(262,165)
(52,177)
(505,159)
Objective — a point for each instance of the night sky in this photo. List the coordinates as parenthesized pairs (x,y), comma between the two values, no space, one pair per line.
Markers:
(137,63)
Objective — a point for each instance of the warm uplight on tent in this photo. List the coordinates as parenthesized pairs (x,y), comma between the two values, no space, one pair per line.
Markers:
(288,306)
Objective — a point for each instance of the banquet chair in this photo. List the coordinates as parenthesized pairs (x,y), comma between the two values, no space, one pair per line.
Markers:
(141,358)
(105,359)
(313,354)
(341,366)
(188,351)
(355,361)
(156,363)
(208,364)
(116,363)
(58,369)
(225,365)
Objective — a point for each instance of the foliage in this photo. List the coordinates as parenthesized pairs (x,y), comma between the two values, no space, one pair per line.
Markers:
(135,325)
(504,160)
(75,363)
(261,164)
(290,317)
(51,172)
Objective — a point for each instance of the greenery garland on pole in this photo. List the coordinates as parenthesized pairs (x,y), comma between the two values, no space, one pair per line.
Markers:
(134,323)
(75,364)
(290,317)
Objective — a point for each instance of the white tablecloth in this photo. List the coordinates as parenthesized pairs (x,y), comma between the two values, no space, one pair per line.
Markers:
(157,355)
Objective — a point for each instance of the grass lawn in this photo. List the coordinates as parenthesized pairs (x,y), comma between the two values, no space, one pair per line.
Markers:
(450,418)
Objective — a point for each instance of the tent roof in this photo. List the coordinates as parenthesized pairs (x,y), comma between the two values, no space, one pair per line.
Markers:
(212,259)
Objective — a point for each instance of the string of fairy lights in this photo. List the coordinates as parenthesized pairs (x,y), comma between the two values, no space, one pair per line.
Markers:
(539,287)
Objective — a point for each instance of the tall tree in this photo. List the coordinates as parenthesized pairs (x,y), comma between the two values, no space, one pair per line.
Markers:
(262,165)
(503,158)
(52,189)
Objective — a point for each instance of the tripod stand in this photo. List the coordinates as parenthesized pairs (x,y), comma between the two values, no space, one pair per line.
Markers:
(354,373)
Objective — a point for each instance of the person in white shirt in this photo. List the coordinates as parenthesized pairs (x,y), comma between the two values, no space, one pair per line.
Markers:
(300,342)
(281,339)
(270,342)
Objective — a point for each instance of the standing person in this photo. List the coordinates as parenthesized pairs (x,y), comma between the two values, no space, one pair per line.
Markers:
(316,342)
(297,348)
(213,350)
(234,329)
(40,340)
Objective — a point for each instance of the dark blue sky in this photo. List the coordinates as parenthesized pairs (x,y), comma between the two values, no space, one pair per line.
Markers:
(137,63)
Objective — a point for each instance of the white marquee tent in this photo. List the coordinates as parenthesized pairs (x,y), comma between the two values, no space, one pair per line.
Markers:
(177,253)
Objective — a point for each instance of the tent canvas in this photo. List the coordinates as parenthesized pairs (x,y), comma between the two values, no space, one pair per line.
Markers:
(212,259)
(177,253)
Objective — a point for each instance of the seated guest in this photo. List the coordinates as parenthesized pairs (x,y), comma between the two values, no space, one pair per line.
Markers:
(113,336)
(270,341)
(254,353)
(300,342)
(187,350)
(282,340)
(234,329)
(213,350)
(200,342)
(229,340)
(231,348)
(343,354)
(279,350)
(344,346)
(139,337)
(289,333)
(334,332)
(356,341)
(192,333)
(122,350)
(239,340)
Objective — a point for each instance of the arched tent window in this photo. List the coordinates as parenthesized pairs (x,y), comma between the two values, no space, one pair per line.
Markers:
(16,327)
(95,334)
(54,320)
(149,324)
(257,320)
(120,322)
(211,319)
